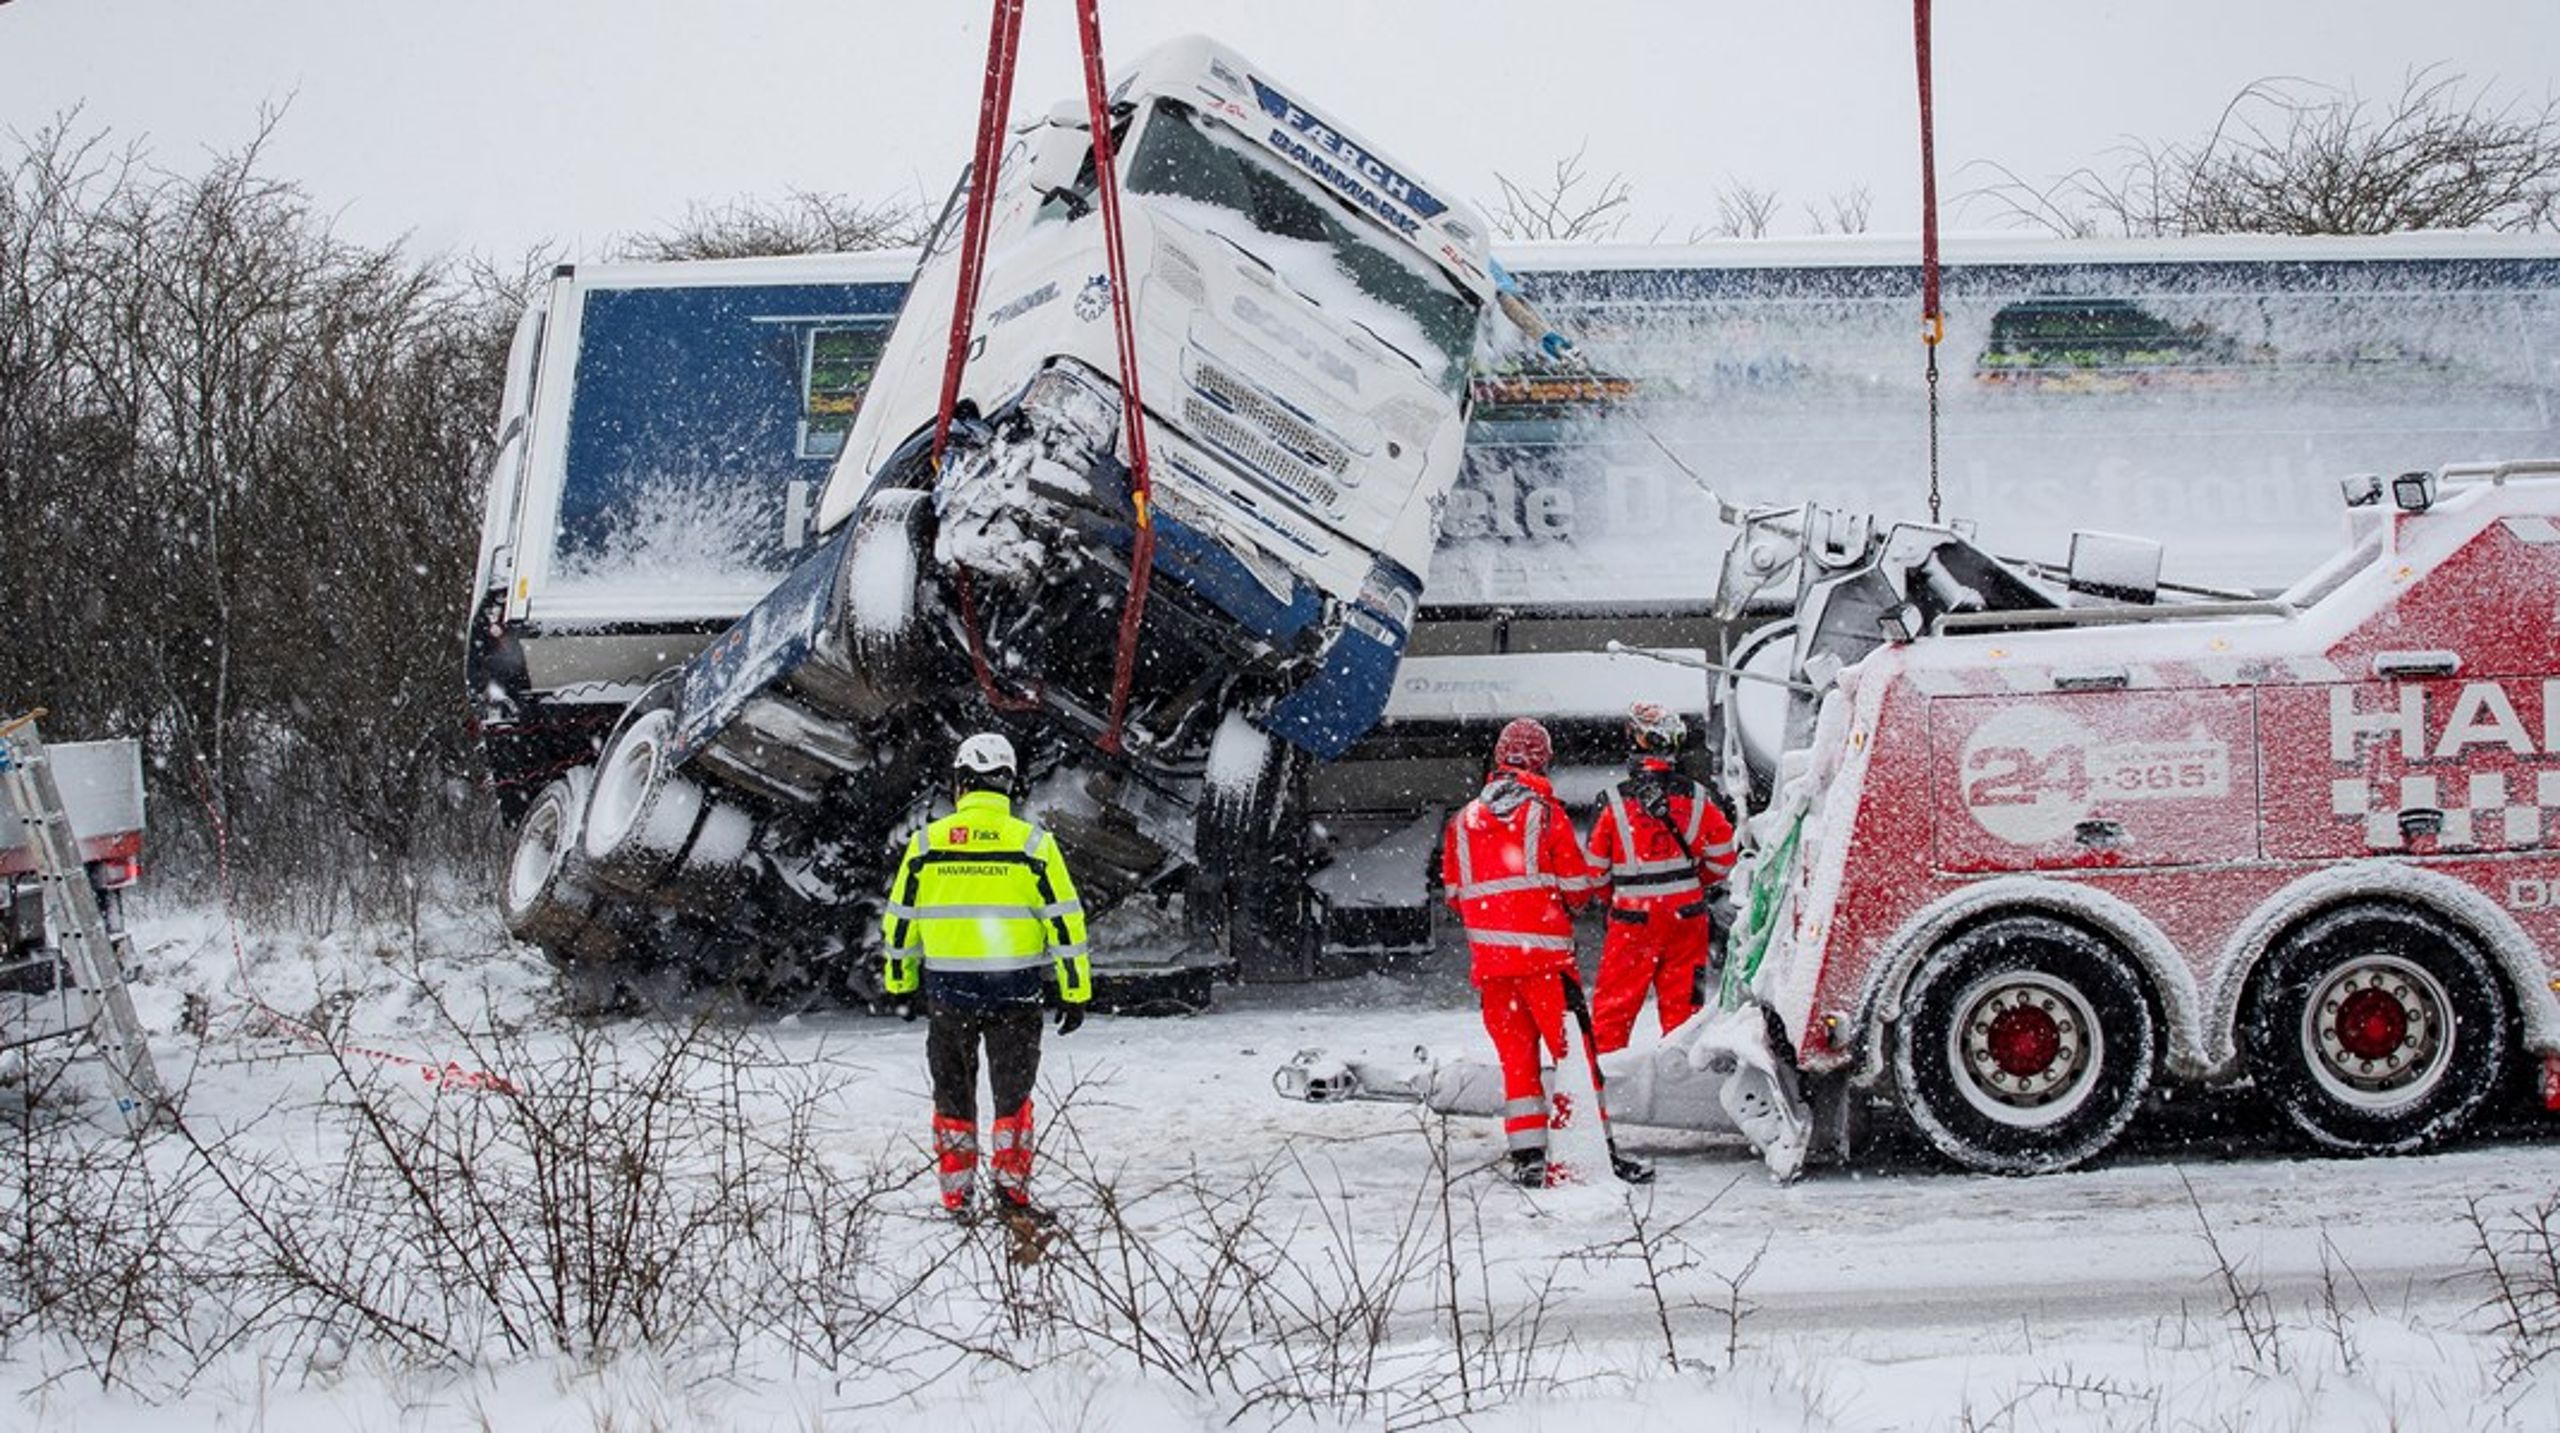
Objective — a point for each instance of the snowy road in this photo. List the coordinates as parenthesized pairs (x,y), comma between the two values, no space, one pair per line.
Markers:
(1896,1296)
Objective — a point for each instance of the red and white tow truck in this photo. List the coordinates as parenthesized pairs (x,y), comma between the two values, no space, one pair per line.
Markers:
(2041,841)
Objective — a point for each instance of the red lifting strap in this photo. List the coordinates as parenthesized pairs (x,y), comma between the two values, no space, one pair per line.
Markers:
(995,101)
(1133,424)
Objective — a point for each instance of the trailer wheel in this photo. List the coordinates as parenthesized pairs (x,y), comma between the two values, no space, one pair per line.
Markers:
(1252,842)
(2379,1030)
(543,896)
(2025,1046)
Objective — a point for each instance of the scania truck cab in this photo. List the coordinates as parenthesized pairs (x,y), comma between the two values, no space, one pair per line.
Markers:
(1305,314)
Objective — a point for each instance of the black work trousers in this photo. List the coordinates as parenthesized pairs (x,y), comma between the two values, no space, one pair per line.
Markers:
(952,1036)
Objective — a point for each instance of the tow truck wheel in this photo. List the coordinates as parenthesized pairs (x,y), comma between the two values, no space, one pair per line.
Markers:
(2378,1030)
(2025,1046)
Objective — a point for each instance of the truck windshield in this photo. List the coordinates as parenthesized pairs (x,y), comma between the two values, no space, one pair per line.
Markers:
(1320,247)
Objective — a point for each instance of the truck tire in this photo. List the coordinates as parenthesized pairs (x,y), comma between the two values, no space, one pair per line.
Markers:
(543,894)
(1252,840)
(2379,1029)
(652,831)
(881,605)
(2025,1046)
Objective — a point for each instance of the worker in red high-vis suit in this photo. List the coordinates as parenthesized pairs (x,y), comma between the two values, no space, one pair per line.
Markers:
(1660,843)
(1512,869)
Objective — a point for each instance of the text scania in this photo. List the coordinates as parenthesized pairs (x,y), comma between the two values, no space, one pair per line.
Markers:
(2481,714)
(1332,365)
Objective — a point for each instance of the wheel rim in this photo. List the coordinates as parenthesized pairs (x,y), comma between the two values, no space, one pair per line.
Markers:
(538,851)
(2025,1048)
(2377,1033)
(622,787)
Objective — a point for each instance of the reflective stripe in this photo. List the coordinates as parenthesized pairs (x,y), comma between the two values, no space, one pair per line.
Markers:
(1055,909)
(1534,1137)
(1721,848)
(894,911)
(1523,1107)
(1065,952)
(1534,837)
(975,913)
(1591,882)
(986,964)
(1689,886)
(1520,938)
(1504,886)
(1652,868)
(1466,848)
(1697,811)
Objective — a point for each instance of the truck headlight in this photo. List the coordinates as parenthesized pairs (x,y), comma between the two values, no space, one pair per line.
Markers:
(1387,601)
(1068,402)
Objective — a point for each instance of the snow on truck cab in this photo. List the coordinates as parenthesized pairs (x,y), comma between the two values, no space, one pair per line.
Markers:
(1304,312)
(2041,841)
(1305,316)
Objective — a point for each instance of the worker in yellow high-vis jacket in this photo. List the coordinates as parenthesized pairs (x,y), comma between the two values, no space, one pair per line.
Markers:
(982,922)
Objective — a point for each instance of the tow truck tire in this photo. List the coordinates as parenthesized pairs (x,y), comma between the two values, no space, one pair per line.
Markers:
(1252,840)
(2379,1029)
(2025,1046)
(543,894)
(881,602)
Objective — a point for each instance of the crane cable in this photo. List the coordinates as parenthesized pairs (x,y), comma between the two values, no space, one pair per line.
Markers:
(995,101)
(1933,319)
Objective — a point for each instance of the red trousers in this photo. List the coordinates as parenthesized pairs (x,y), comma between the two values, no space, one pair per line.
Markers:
(1525,1015)
(1662,954)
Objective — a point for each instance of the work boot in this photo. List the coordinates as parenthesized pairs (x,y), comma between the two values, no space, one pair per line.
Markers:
(1529,1168)
(1015,1207)
(1631,1171)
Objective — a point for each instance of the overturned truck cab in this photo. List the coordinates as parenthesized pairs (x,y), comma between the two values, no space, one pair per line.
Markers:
(1304,312)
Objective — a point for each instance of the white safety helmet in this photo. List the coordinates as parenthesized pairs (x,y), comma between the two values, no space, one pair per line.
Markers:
(986,756)
(1655,728)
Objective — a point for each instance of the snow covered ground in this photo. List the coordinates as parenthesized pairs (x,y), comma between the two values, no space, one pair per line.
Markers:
(1233,1259)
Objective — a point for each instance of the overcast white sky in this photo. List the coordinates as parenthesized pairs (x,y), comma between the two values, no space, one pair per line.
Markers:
(493,124)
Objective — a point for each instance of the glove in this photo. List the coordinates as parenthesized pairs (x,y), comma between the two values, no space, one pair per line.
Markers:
(1070,1019)
(907,1008)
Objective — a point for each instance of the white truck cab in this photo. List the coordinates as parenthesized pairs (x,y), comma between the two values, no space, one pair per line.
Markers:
(1305,312)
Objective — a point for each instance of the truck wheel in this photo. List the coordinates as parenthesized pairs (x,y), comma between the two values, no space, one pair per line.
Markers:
(1252,843)
(543,896)
(654,832)
(2379,1030)
(881,602)
(2025,1046)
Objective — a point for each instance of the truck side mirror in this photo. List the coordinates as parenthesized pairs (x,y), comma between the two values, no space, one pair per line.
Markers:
(1057,157)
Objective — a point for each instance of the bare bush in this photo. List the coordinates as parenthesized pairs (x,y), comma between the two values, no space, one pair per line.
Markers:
(1744,211)
(1570,203)
(235,449)
(1847,212)
(801,222)
(2517,1262)
(2291,157)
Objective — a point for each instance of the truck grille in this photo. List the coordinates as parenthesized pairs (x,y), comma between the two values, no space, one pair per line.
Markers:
(1282,446)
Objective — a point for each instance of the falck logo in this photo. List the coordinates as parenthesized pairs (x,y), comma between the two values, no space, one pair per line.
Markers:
(1094,297)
